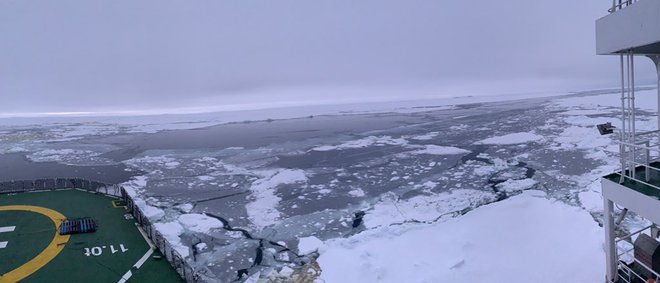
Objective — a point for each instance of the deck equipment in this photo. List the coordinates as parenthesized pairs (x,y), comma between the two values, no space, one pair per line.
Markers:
(76,226)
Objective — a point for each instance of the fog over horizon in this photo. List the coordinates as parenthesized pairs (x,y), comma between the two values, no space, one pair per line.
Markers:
(61,56)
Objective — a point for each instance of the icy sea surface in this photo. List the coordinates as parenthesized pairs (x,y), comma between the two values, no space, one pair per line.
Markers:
(259,199)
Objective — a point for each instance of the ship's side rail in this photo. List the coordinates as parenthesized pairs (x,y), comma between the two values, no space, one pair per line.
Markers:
(620,4)
(173,257)
(645,153)
(626,256)
(20,186)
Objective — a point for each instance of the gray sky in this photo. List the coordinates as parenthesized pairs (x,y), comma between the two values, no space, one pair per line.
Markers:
(120,54)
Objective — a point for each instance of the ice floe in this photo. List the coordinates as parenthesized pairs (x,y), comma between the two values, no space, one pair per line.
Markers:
(309,244)
(516,185)
(364,142)
(262,208)
(70,157)
(510,139)
(171,231)
(199,223)
(425,137)
(424,208)
(433,149)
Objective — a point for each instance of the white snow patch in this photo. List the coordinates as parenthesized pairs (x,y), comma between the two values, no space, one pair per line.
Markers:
(575,137)
(357,192)
(201,246)
(161,161)
(509,139)
(440,150)
(186,207)
(172,164)
(498,164)
(133,189)
(389,210)
(153,213)
(17,149)
(364,142)
(262,210)
(459,127)
(69,156)
(591,201)
(135,185)
(309,244)
(490,243)
(516,185)
(199,222)
(585,121)
(645,100)
(205,178)
(171,231)
(425,137)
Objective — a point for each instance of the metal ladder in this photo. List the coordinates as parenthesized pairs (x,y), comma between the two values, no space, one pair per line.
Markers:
(628,138)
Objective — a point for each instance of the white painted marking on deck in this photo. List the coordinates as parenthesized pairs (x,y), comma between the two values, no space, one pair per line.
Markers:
(144,235)
(125,277)
(143,259)
(4,230)
(7,229)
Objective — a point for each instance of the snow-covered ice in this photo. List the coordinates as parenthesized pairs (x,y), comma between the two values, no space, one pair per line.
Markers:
(512,185)
(199,222)
(362,143)
(171,231)
(514,138)
(433,149)
(424,208)
(527,238)
(309,244)
(263,206)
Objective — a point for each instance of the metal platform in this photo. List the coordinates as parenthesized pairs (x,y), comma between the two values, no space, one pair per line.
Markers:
(34,251)
(631,24)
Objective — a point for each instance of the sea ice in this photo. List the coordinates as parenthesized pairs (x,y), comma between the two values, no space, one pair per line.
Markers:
(510,139)
(499,242)
(432,149)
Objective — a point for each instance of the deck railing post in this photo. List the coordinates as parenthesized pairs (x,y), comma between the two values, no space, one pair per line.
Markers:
(610,247)
(647,161)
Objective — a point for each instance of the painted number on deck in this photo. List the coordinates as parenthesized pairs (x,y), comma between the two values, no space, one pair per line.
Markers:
(97,251)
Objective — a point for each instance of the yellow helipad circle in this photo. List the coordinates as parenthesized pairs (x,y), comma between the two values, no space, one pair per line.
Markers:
(48,254)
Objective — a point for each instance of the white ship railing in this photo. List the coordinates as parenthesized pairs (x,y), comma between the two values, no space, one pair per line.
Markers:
(640,154)
(618,5)
(636,149)
(626,256)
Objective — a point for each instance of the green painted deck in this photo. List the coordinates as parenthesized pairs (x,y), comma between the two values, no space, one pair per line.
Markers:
(103,256)
(640,173)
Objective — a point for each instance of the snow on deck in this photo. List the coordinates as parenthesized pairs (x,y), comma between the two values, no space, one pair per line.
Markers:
(526,238)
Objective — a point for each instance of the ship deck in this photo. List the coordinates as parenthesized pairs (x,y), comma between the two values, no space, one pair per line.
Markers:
(640,172)
(31,249)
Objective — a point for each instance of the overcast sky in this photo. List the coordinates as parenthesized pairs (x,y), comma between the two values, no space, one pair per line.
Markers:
(126,54)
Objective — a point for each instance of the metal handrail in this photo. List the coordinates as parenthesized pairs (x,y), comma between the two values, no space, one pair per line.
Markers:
(618,5)
(629,159)
(629,236)
(623,266)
